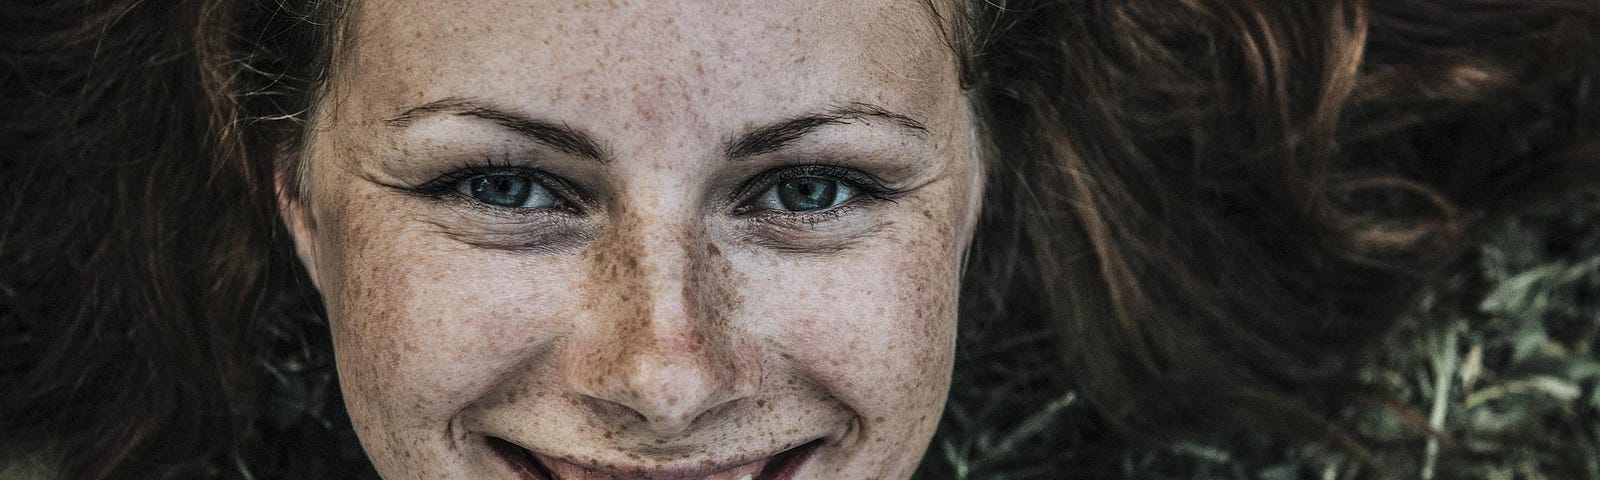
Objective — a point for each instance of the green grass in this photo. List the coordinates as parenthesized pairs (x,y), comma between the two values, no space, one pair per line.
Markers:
(1498,355)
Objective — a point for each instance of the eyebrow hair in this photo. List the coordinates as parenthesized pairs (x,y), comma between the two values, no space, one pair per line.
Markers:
(558,136)
(765,139)
(778,135)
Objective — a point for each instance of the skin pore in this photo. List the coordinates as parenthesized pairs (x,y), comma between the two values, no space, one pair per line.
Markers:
(641,239)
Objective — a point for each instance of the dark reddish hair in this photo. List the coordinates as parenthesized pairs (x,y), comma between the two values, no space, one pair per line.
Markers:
(1213,202)
(139,242)
(1227,199)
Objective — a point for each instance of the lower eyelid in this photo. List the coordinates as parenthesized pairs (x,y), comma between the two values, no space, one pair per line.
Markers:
(811,218)
(531,232)
(466,207)
(789,236)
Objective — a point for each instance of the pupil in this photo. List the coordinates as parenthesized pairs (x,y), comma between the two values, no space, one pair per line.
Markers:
(809,193)
(500,190)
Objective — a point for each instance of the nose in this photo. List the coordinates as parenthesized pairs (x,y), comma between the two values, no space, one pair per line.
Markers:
(658,342)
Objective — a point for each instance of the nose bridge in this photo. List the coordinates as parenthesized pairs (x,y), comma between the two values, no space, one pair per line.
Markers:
(656,336)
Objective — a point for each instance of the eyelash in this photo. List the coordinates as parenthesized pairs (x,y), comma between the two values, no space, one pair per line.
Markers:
(445,185)
(869,187)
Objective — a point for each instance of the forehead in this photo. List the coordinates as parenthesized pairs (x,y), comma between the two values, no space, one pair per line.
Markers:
(615,64)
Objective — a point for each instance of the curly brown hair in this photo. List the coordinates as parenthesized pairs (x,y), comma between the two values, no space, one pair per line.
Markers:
(1211,201)
(1224,199)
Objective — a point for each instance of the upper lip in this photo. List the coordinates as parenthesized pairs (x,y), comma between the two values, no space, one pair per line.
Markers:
(682,469)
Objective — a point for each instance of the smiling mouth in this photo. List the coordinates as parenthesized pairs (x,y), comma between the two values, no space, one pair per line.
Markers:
(533,466)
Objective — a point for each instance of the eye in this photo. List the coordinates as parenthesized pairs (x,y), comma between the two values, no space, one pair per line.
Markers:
(507,191)
(805,194)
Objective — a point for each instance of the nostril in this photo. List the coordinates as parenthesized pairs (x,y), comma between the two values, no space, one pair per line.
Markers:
(712,413)
(667,392)
(613,412)
(616,413)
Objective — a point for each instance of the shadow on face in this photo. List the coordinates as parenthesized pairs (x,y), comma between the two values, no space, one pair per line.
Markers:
(641,240)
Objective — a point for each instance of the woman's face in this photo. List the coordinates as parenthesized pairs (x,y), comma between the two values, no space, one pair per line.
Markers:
(641,239)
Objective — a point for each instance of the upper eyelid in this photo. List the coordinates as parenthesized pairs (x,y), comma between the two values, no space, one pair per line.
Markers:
(749,191)
(861,180)
(570,200)
(764,183)
(447,182)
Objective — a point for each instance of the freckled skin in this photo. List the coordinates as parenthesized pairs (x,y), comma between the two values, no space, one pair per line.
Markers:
(667,330)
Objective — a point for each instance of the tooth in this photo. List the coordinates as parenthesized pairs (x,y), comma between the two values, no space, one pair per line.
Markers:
(745,477)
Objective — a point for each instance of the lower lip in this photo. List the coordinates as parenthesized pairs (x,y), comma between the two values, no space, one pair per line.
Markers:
(782,466)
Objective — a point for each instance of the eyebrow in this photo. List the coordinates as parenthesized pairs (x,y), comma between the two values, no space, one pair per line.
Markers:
(776,136)
(561,137)
(765,139)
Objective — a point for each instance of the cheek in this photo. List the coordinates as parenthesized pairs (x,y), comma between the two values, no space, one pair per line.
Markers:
(876,327)
(423,325)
